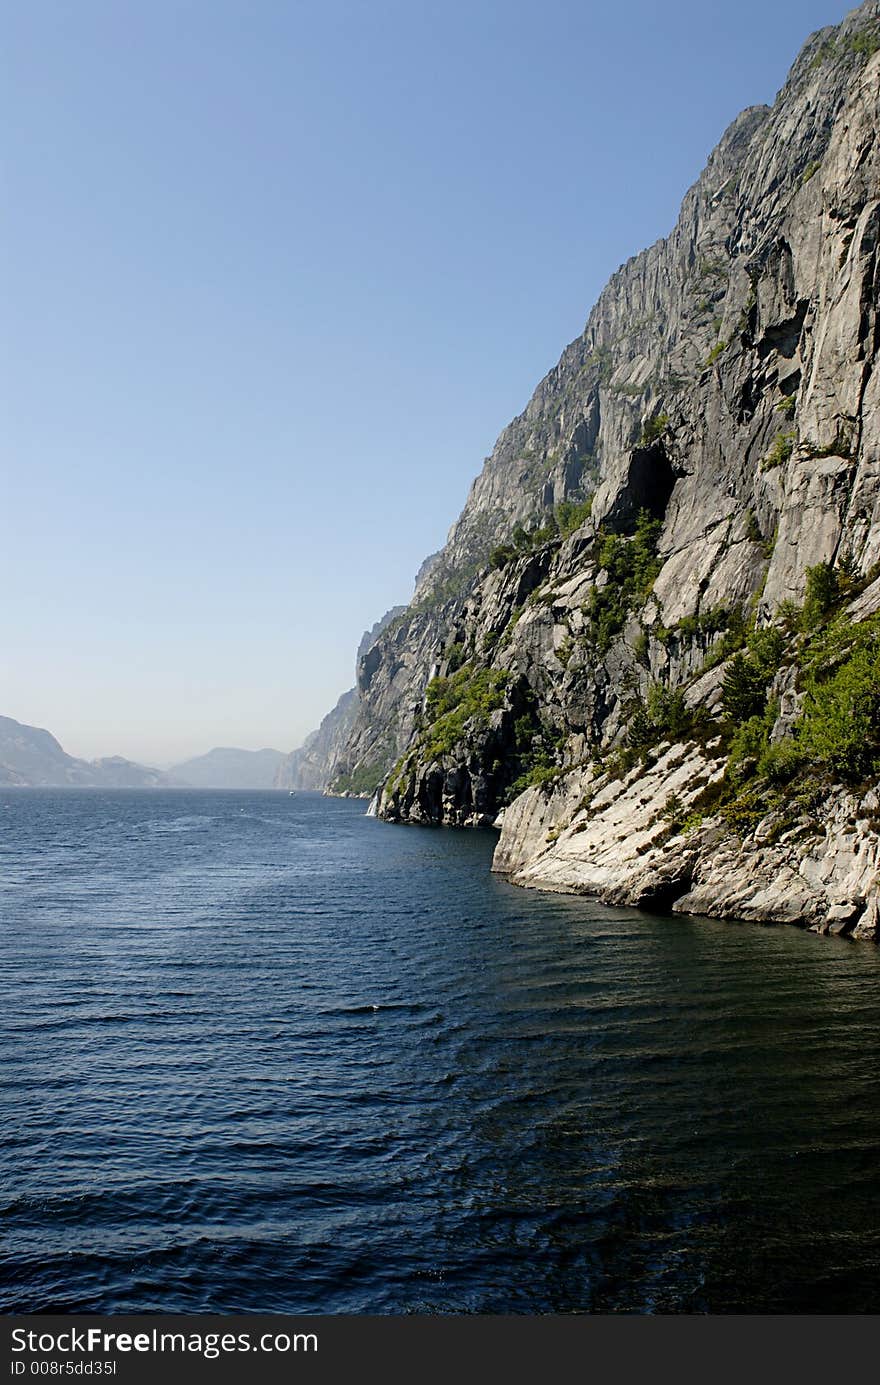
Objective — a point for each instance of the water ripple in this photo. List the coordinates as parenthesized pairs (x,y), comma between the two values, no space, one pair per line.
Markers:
(263,1054)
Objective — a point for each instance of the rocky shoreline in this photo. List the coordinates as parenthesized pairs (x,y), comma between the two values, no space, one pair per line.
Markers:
(613,840)
(650,647)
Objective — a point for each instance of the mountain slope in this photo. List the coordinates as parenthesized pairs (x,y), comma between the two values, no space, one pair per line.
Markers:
(33,758)
(662,592)
(312,765)
(226,767)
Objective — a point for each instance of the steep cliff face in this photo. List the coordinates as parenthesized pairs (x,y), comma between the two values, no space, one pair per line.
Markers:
(635,548)
(313,764)
(322,761)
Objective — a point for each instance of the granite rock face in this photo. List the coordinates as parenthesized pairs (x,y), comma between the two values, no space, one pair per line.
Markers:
(313,764)
(720,410)
(614,840)
(322,761)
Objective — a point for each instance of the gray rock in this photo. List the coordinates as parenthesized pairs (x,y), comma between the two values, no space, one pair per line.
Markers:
(725,384)
(784,690)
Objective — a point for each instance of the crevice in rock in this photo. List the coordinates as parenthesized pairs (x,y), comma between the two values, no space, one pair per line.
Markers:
(748,401)
(784,337)
(659,898)
(649,483)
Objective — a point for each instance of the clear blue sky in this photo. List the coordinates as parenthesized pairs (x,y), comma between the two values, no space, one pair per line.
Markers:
(275,275)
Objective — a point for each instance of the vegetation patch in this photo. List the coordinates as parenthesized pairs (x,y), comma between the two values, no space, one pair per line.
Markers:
(570,515)
(664,715)
(840,726)
(753,528)
(454,656)
(537,746)
(836,737)
(601,360)
(702,626)
(632,567)
(507,633)
(717,350)
(363,781)
(653,430)
(833,738)
(780,451)
(450,588)
(862,43)
(450,703)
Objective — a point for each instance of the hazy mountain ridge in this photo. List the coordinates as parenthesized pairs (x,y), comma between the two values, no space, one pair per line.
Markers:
(31,757)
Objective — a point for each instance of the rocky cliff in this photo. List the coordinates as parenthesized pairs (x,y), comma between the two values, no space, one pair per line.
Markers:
(313,764)
(652,641)
(323,760)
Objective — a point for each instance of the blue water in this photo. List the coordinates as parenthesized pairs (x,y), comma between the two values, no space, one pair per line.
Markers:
(264,1054)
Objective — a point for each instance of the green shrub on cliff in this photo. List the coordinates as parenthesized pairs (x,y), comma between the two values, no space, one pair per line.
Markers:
(832,663)
(451,702)
(502,555)
(653,430)
(570,515)
(821,595)
(664,715)
(710,622)
(780,451)
(364,780)
(766,648)
(668,711)
(779,763)
(455,657)
(865,41)
(546,534)
(632,566)
(523,540)
(524,730)
(837,735)
(840,725)
(744,689)
(535,744)
(540,772)
(753,528)
(746,748)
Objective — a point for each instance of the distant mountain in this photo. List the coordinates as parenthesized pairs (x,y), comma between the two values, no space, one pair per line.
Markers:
(32,758)
(226,767)
(117,773)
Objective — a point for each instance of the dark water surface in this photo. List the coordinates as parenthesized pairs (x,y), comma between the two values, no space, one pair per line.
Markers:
(263,1054)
